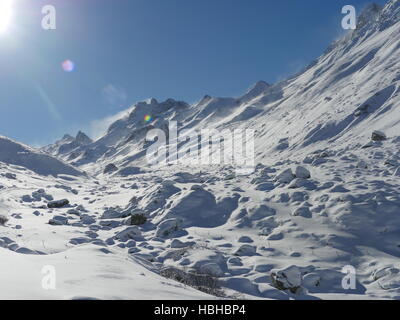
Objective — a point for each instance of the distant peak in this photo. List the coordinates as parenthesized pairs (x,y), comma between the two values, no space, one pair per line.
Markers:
(257,89)
(152,101)
(205,98)
(67,137)
(261,84)
(170,101)
(83,138)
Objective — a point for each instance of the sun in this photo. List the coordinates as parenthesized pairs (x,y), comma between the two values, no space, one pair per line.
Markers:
(5,14)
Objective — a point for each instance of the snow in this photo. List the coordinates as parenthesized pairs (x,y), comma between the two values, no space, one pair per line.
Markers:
(15,153)
(324,195)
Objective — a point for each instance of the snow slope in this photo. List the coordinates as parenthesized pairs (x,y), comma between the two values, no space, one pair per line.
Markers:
(15,153)
(324,195)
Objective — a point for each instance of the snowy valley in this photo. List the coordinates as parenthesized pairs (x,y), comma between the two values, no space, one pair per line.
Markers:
(324,194)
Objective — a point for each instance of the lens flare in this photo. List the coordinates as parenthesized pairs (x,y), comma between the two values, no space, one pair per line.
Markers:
(68,66)
(5,14)
(148,118)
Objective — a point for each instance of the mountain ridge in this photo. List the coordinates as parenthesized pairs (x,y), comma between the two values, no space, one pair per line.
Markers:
(345,60)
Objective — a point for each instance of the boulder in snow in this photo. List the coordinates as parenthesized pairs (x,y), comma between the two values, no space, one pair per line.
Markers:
(212,269)
(378,136)
(287,279)
(178,244)
(110,168)
(245,239)
(302,212)
(362,165)
(302,173)
(285,176)
(128,233)
(167,227)
(58,203)
(311,280)
(58,221)
(246,250)
(138,219)
(10,176)
(3,220)
(87,219)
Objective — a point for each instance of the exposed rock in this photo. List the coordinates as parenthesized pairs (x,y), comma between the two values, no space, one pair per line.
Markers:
(378,136)
(74,212)
(11,176)
(58,221)
(86,219)
(178,244)
(129,171)
(110,168)
(138,219)
(26,198)
(58,203)
(286,176)
(246,250)
(82,138)
(3,220)
(245,239)
(282,144)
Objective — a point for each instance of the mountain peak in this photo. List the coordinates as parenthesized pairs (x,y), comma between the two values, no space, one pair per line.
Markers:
(67,137)
(83,138)
(257,89)
(261,85)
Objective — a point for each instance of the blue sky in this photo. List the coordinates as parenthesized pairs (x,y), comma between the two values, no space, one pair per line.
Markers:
(129,50)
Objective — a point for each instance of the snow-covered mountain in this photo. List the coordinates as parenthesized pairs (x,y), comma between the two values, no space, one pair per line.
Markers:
(324,196)
(68,144)
(350,91)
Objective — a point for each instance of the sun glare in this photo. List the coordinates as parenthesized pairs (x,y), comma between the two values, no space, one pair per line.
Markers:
(5,14)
